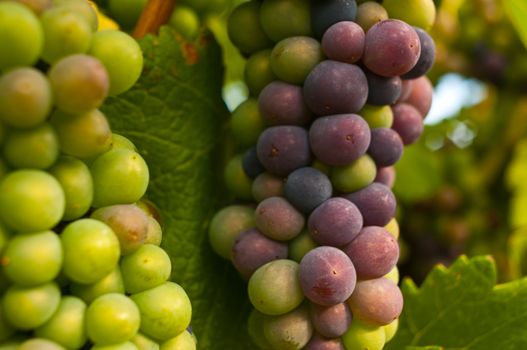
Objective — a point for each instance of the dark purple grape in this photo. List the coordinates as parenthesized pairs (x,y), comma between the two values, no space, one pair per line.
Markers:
(376,204)
(386,146)
(267,185)
(339,139)
(382,90)
(252,250)
(331,321)
(420,95)
(378,301)
(283,104)
(325,13)
(391,48)
(374,252)
(306,188)
(282,149)
(407,121)
(386,176)
(277,219)
(318,342)
(250,163)
(327,276)
(426,58)
(335,87)
(344,42)
(335,222)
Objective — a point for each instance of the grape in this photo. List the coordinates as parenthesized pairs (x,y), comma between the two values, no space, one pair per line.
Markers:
(21,36)
(128,223)
(121,56)
(91,250)
(252,250)
(274,288)
(382,90)
(30,307)
(344,42)
(281,103)
(339,139)
(390,329)
(119,141)
(250,163)
(331,321)
(377,116)
(127,12)
(154,234)
(300,246)
(325,13)
(255,329)
(335,87)
(33,258)
(121,346)
(327,276)
(281,19)
(165,311)
(237,181)
(306,188)
(391,48)
(111,283)
(40,344)
(119,176)
(393,228)
(420,13)
(335,222)
(378,301)
(82,7)
(258,72)
(290,331)
(364,336)
(370,13)
(267,185)
(386,176)
(183,341)
(247,123)
(147,267)
(245,30)
(30,200)
(420,95)
(406,89)
(318,342)
(226,225)
(144,343)
(354,176)
(66,326)
(293,58)
(276,218)
(35,148)
(37,6)
(185,21)
(282,149)
(79,82)
(426,58)
(25,97)
(376,204)
(374,252)
(407,122)
(6,329)
(393,275)
(386,147)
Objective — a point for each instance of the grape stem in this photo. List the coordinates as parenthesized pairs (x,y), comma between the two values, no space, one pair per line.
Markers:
(155,14)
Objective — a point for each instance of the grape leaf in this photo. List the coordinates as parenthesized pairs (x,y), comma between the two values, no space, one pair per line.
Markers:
(462,308)
(177,120)
(517,12)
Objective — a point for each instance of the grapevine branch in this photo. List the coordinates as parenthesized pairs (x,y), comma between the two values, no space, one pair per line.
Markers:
(155,14)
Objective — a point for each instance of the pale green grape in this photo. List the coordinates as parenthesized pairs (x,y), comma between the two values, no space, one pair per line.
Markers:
(154,233)
(119,141)
(122,346)
(393,275)
(186,21)
(377,116)
(82,7)
(37,6)
(147,267)
(111,283)
(363,336)
(144,343)
(183,341)
(390,329)
(354,176)
(393,228)
(301,245)
(419,13)
(290,331)
(40,344)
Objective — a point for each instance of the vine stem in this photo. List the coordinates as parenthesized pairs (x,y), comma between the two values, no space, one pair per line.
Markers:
(155,14)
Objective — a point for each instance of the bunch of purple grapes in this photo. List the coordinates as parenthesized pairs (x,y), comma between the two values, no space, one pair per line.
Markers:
(337,91)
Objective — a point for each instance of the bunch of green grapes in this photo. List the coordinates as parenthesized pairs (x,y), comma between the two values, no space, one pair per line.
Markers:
(80,258)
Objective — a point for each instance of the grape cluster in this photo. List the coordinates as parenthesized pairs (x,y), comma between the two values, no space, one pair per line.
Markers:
(336,92)
(80,258)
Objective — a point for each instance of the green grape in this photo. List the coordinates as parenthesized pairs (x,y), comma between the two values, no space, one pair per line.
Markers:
(37,6)
(165,311)
(419,13)
(282,19)
(67,325)
(122,346)
(274,288)
(393,228)
(393,275)
(91,250)
(154,233)
(30,307)
(244,29)
(79,82)
(258,72)
(144,343)
(111,283)
(363,336)
(82,136)
(267,185)
(31,200)
(236,180)
(21,36)
(247,123)
(292,59)
(290,331)
(377,116)
(111,319)
(183,341)
(354,176)
(186,22)
(119,176)
(6,330)
(126,12)
(5,283)
(40,344)
(66,32)
(122,57)
(226,225)
(300,246)
(31,259)
(390,329)
(4,239)
(147,267)
(36,148)
(255,325)
(82,7)
(25,97)
(119,141)
(370,13)
(76,181)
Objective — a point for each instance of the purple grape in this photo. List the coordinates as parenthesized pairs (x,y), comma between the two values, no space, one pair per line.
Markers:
(282,149)
(391,48)
(407,121)
(318,342)
(331,321)
(386,176)
(327,276)
(339,139)
(382,90)
(420,95)
(283,104)
(306,188)
(335,87)
(406,89)
(344,42)
(378,301)
(277,219)
(386,146)
(335,222)
(252,250)
(250,163)
(374,252)
(325,13)
(376,203)
(426,58)
(267,185)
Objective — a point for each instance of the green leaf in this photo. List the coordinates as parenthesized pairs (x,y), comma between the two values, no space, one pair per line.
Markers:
(177,120)
(517,12)
(462,308)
